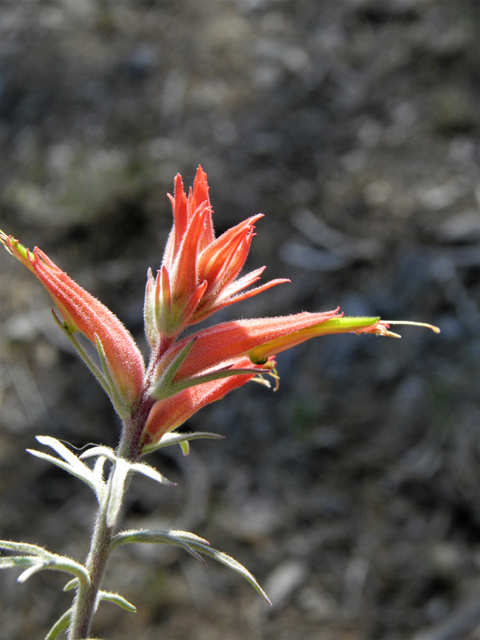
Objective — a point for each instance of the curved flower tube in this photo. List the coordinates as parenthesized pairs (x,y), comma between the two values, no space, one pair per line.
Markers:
(260,338)
(82,312)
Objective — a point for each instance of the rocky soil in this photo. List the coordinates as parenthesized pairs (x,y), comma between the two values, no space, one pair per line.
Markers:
(353,493)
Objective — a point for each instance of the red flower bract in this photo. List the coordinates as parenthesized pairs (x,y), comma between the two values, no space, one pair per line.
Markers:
(82,312)
(198,276)
(199,272)
(170,413)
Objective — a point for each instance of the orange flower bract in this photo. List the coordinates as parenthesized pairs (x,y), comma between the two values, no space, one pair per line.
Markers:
(82,312)
(198,276)
(199,272)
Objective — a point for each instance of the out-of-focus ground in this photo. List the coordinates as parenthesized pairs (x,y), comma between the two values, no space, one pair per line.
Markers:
(353,494)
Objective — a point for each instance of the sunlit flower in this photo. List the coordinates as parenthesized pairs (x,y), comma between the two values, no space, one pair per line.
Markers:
(170,413)
(209,364)
(259,338)
(198,276)
(82,312)
(199,272)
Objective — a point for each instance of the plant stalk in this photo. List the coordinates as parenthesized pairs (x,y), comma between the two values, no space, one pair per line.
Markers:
(84,604)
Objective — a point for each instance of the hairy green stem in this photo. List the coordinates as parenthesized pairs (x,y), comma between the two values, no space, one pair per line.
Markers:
(84,604)
(129,446)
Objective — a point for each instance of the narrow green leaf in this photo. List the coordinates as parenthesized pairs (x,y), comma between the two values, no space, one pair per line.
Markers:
(117,488)
(225,372)
(102,453)
(105,452)
(169,439)
(151,329)
(118,401)
(150,472)
(117,599)
(154,537)
(60,625)
(37,566)
(12,562)
(71,584)
(59,563)
(24,547)
(188,536)
(62,451)
(162,388)
(84,355)
(191,543)
(185,447)
(228,561)
(81,472)
(98,473)
(38,556)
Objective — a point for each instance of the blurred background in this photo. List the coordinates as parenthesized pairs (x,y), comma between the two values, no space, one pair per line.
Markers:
(353,493)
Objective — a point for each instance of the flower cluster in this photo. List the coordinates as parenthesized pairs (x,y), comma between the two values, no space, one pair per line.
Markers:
(199,275)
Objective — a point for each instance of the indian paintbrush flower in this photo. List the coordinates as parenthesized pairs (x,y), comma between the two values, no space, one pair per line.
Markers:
(198,276)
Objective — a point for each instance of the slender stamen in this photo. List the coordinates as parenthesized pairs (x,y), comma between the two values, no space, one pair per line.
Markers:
(266,383)
(414,324)
(381,330)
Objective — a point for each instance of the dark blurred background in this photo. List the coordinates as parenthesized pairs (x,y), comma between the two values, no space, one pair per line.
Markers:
(353,494)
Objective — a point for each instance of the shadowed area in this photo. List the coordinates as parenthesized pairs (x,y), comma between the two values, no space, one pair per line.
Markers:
(353,493)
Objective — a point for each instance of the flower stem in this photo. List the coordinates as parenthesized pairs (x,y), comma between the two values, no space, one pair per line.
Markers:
(85,601)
